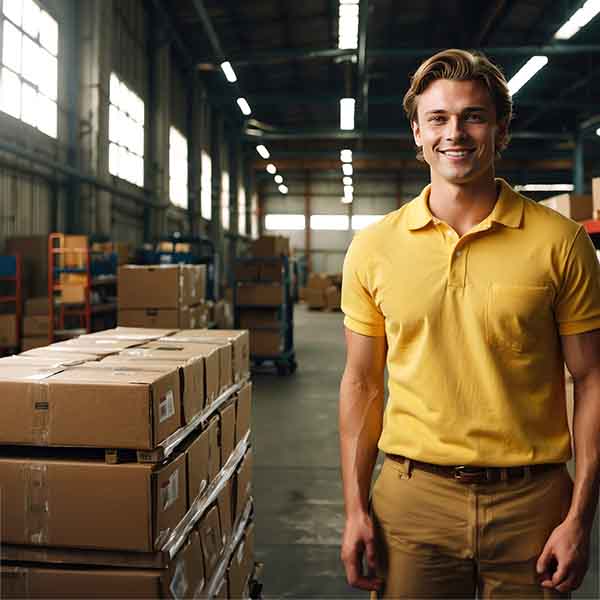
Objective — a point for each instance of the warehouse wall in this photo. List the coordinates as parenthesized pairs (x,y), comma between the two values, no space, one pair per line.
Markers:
(97,37)
(373,195)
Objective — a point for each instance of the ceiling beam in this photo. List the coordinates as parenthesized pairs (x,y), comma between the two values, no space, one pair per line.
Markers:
(492,15)
(209,30)
(279,56)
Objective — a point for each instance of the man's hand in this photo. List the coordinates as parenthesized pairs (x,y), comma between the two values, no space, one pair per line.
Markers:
(359,542)
(564,560)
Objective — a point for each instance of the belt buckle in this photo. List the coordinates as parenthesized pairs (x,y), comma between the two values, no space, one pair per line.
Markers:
(466,474)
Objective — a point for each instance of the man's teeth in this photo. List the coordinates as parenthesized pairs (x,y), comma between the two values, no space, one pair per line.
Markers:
(456,154)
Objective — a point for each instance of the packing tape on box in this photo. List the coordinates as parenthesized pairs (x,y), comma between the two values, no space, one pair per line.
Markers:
(37,505)
(41,413)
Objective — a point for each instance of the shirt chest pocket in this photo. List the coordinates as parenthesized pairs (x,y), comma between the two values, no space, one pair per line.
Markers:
(518,317)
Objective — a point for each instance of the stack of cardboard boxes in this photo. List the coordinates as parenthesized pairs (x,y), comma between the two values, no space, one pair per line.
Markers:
(261,295)
(36,323)
(172,516)
(323,291)
(163,296)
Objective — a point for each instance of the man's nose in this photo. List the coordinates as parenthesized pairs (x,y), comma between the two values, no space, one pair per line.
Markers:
(455,129)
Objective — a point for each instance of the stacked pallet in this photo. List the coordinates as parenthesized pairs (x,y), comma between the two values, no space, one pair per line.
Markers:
(125,467)
(163,296)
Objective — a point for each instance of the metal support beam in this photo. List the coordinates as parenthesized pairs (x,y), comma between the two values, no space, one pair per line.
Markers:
(209,30)
(266,58)
(363,68)
(578,164)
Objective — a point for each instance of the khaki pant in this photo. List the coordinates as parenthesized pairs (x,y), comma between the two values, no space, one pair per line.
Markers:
(439,538)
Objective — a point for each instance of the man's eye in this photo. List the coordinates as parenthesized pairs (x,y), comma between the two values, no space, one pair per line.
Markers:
(475,117)
(436,119)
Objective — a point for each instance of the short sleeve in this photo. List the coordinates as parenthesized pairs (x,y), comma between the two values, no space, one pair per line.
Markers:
(361,312)
(577,307)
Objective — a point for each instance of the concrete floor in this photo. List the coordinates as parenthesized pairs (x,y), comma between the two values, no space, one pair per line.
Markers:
(297,487)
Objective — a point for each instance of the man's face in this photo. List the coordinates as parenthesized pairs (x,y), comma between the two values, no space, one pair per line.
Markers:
(457,130)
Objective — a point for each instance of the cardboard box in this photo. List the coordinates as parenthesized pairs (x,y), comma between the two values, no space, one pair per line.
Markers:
(34,260)
(191,377)
(241,566)
(214,450)
(37,306)
(31,342)
(578,207)
(315,298)
(225,511)
(211,539)
(194,283)
(63,361)
(197,455)
(333,298)
(199,316)
(260,294)
(77,258)
(319,281)
(72,293)
(239,339)
(271,271)
(242,486)
(135,334)
(247,271)
(88,407)
(8,331)
(251,318)
(36,326)
(161,350)
(243,412)
(156,318)
(184,578)
(99,345)
(227,431)
(90,504)
(266,342)
(157,286)
(271,245)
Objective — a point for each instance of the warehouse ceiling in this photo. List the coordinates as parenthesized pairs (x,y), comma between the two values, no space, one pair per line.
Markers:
(289,68)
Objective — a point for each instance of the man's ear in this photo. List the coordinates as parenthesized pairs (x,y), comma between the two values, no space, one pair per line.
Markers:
(416,133)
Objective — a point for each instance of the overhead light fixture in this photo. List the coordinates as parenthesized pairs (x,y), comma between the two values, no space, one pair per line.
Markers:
(271,169)
(229,72)
(579,19)
(244,106)
(283,189)
(348,25)
(346,156)
(347,180)
(278,179)
(347,169)
(346,200)
(348,192)
(526,72)
(262,150)
(598,131)
(545,187)
(347,113)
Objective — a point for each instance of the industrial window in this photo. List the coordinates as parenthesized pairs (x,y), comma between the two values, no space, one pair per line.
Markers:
(205,185)
(242,210)
(125,133)
(284,222)
(225,212)
(362,221)
(29,72)
(329,222)
(178,168)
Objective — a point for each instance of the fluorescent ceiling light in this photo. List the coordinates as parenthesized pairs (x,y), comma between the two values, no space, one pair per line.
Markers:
(262,150)
(244,106)
(545,187)
(347,180)
(526,72)
(347,113)
(283,189)
(271,169)
(229,72)
(598,131)
(346,199)
(347,169)
(346,156)
(348,26)
(579,19)
(278,179)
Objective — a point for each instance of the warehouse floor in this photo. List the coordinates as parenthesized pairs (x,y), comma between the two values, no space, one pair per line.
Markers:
(297,484)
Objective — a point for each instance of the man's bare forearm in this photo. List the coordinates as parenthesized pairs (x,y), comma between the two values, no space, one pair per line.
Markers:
(361,421)
(586,434)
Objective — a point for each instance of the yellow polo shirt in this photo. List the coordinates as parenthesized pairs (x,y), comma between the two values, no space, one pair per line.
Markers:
(472,324)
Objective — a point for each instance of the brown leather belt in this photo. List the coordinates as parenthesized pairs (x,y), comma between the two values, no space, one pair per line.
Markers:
(472,474)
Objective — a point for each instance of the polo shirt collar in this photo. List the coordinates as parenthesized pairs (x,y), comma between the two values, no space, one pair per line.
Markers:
(508,209)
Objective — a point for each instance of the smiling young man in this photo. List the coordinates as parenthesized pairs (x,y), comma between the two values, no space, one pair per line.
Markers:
(474,297)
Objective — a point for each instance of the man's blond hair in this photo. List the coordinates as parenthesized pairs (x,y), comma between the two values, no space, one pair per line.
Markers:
(461,65)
